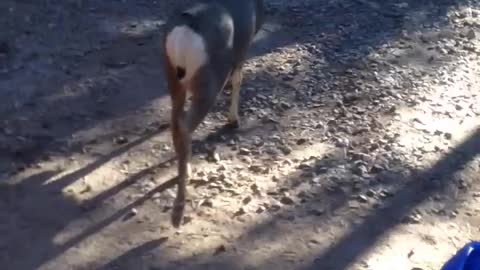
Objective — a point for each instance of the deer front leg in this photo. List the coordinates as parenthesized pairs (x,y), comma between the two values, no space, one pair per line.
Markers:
(233,116)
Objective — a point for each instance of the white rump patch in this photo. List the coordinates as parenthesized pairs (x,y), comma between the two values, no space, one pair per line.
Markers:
(186,49)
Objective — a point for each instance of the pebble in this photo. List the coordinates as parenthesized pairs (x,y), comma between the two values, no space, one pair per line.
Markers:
(286,150)
(121,140)
(316,212)
(214,157)
(240,212)
(414,218)
(370,193)
(260,209)
(360,169)
(257,168)
(207,203)
(287,200)
(247,200)
(244,151)
(274,208)
(471,34)
(377,168)
(302,141)
(362,198)
(220,249)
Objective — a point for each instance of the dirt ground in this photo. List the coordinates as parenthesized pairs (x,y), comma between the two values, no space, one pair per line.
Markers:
(359,147)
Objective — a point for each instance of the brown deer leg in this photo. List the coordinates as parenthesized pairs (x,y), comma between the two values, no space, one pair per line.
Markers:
(180,138)
(181,141)
(204,88)
(233,117)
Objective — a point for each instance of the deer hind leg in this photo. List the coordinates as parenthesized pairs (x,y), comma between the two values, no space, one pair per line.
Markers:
(180,137)
(204,87)
(236,79)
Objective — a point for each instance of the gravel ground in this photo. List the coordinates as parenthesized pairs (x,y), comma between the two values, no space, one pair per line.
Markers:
(359,148)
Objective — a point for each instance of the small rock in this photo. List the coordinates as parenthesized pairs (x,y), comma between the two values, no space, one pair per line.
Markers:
(200,181)
(286,150)
(354,205)
(316,212)
(213,157)
(332,122)
(257,141)
(471,34)
(377,168)
(462,184)
(112,63)
(392,110)
(260,209)
(303,194)
(374,146)
(412,219)
(371,193)
(439,212)
(255,188)
(247,200)
(321,170)
(240,212)
(342,142)
(360,169)
(187,219)
(287,200)
(272,151)
(121,140)
(220,249)
(362,198)
(207,203)
(257,168)
(360,156)
(285,106)
(244,151)
(305,167)
(246,160)
(274,208)
(357,187)
(302,141)
(448,136)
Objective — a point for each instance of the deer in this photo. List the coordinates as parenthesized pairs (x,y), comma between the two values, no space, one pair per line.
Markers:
(205,47)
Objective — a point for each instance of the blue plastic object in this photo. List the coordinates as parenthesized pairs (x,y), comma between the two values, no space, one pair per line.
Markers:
(467,258)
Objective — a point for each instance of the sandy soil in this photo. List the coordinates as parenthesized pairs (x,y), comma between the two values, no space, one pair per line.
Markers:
(359,149)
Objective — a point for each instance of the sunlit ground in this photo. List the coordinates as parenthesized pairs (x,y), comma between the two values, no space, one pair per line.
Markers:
(290,237)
